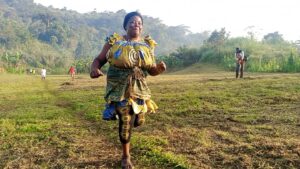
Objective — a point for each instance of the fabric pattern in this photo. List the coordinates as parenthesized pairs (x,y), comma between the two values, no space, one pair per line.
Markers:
(126,121)
(126,54)
(126,76)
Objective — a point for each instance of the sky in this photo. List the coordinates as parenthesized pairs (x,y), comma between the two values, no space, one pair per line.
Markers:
(237,16)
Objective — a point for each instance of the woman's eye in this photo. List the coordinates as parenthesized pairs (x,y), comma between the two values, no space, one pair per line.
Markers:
(135,23)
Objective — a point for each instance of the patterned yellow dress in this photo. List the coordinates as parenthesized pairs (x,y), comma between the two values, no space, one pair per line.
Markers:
(126,76)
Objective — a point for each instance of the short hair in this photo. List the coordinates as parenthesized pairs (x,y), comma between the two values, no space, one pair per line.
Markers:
(129,15)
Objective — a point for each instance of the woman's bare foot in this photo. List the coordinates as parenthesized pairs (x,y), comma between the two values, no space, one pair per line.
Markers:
(126,163)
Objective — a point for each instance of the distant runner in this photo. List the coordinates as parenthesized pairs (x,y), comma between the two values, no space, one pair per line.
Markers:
(43,73)
(72,72)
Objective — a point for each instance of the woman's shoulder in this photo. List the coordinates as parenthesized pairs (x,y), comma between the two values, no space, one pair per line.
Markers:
(113,38)
(148,39)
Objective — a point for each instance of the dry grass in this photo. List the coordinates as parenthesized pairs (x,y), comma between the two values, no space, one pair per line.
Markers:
(205,120)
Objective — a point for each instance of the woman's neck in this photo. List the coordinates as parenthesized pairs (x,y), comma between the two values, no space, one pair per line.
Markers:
(132,39)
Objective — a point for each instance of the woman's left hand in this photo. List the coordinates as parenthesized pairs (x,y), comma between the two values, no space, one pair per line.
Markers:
(161,66)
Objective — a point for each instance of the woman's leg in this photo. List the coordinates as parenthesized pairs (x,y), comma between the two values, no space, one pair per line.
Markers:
(139,119)
(126,161)
(126,120)
(126,148)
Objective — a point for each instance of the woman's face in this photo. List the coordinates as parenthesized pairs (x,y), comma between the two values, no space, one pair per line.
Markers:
(134,26)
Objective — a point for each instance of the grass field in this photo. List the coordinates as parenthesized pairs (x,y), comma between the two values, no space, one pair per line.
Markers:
(205,120)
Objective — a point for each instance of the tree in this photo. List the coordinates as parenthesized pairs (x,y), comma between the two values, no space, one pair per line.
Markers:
(273,38)
(217,40)
(218,37)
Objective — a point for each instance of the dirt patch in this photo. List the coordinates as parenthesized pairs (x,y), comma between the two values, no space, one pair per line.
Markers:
(67,84)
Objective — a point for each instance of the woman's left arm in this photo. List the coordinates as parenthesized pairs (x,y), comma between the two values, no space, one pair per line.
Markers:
(157,69)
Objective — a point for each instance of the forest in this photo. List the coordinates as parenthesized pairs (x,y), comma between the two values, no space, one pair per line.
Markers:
(33,36)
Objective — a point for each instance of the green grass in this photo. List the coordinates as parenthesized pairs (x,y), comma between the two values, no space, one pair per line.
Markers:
(205,120)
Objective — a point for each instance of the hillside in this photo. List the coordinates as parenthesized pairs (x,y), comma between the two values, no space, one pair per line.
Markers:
(51,37)
(35,36)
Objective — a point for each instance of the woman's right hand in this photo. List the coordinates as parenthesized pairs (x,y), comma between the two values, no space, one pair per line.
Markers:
(95,73)
(99,61)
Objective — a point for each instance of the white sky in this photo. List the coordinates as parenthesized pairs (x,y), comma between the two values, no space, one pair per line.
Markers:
(263,16)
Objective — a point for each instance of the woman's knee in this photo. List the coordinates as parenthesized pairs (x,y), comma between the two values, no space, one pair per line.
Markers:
(139,119)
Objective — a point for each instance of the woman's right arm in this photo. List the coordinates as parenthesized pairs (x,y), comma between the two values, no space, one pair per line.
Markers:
(99,61)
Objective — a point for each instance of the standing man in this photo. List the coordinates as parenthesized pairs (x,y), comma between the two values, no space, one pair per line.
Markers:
(239,57)
(43,73)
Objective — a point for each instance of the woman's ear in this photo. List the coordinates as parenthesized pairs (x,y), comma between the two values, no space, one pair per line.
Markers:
(126,27)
